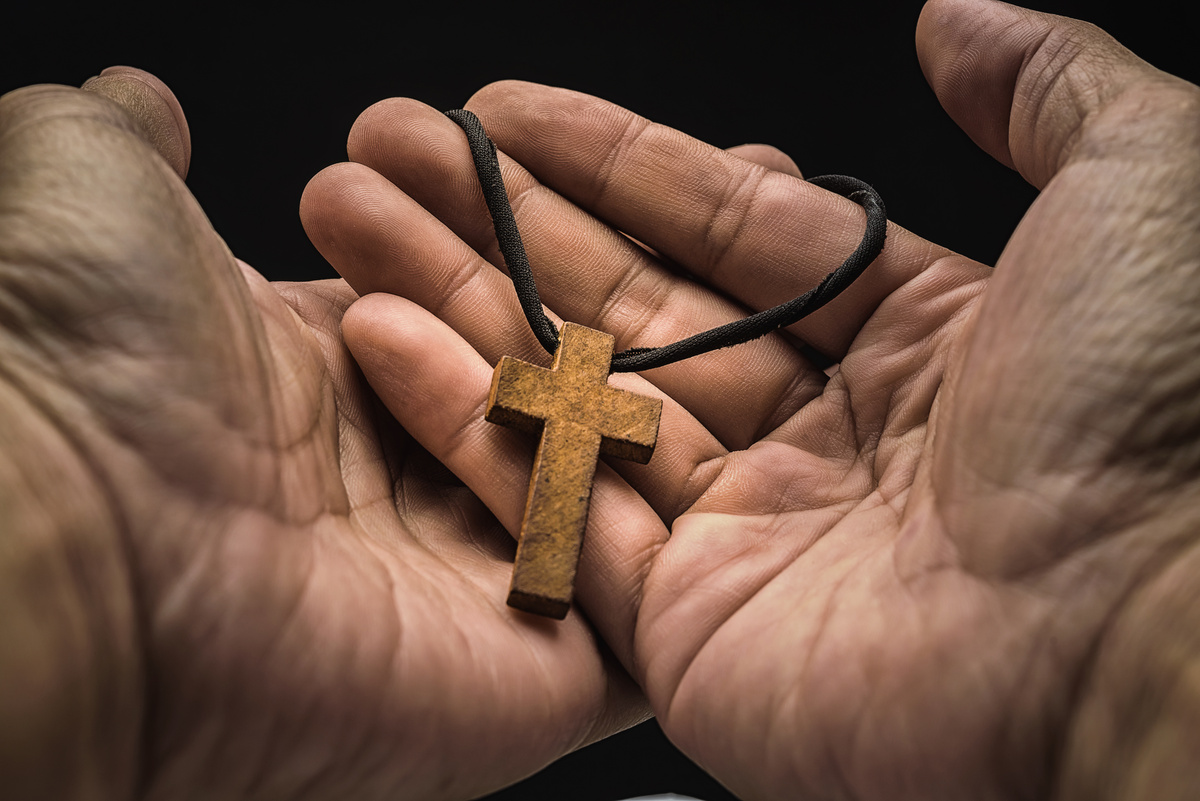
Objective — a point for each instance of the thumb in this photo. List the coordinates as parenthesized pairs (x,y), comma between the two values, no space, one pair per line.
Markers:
(101,243)
(1079,371)
(1031,88)
(153,107)
(140,104)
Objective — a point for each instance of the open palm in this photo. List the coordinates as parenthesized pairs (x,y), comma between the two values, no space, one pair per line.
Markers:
(904,580)
(294,597)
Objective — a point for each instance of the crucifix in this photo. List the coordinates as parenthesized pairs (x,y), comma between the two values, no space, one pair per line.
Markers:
(579,417)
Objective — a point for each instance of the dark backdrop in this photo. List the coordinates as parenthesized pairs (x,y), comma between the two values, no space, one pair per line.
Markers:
(270,96)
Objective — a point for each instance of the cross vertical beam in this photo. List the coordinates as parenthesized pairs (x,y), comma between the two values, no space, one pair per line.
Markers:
(579,417)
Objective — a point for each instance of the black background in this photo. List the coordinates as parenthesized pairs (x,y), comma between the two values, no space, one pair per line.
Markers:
(270,96)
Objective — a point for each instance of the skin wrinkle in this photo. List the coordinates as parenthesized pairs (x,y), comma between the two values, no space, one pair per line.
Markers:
(289,619)
(303,439)
(790,399)
(714,250)
(476,538)
(898,501)
(173,604)
(99,110)
(1006,735)
(1014,132)
(461,440)
(261,781)
(426,535)
(354,428)
(696,484)
(459,280)
(1089,662)
(1071,137)
(806,669)
(517,175)
(1157,456)
(628,138)
(846,417)
(588,726)
(118,515)
(908,578)
(896,432)
(1051,79)
(764,583)
(481,233)
(1102,530)
(37,318)
(859,730)
(646,561)
(516,203)
(393,647)
(861,438)
(618,296)
(649,305)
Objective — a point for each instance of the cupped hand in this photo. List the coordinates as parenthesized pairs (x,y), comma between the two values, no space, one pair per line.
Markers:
(224,572)
(920,576)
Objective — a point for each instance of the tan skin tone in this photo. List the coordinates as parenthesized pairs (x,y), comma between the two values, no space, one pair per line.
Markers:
(270,589)
(962,566)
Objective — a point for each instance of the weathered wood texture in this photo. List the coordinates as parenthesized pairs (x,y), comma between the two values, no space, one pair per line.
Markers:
(579,417)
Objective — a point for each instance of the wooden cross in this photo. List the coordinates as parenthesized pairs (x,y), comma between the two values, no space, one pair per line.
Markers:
(579,417)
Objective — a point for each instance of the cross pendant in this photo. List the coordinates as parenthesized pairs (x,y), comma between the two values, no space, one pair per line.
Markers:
(579,417)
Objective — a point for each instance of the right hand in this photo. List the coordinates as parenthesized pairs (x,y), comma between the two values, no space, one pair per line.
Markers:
(947,570)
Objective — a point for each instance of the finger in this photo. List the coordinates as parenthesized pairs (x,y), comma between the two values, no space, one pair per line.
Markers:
(155,109)
(436,385)
(1022,84)
(80,162)
(760,236)
(367,228)
(768,156)
(381,240)
(105,251)
(1081,356)
(585,272)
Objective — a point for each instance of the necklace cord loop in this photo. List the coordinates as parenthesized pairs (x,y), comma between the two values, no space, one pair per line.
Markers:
(487,167)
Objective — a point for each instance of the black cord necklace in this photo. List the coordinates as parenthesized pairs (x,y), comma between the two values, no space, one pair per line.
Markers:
(487,166)
(571,406)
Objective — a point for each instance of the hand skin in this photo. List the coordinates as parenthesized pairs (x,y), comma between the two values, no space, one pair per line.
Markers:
(964,565)
(225,572)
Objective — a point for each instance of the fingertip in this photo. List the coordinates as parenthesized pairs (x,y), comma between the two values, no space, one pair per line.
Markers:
(376,128)
(381,333)
(154,107)
(510,107)
(1025,85)
(974,82)
(420,150)
(322,192)
(340,211)
(369,315)
(498,92)
(392,338)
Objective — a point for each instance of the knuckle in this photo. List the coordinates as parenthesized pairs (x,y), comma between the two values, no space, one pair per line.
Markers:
(1074,84)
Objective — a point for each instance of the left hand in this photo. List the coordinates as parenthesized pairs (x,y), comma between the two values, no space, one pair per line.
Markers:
(224,573)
